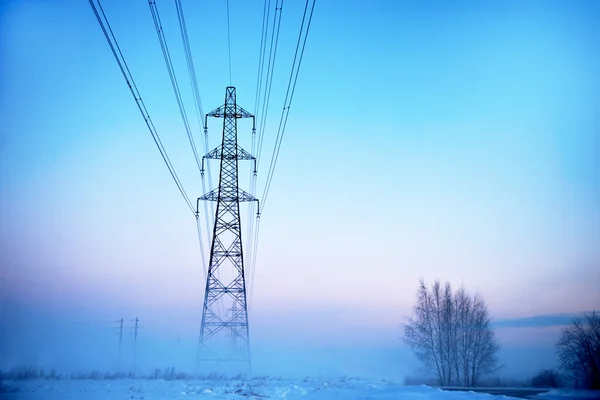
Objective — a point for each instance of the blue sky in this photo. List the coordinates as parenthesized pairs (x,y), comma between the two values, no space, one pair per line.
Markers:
(458,142)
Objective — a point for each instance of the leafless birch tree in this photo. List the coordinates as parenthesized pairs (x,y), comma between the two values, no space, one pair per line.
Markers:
(451,335)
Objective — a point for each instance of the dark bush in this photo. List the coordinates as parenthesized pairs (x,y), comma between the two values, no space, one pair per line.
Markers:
(547,378)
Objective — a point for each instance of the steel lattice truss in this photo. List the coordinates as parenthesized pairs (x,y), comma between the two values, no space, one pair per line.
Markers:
(224,333)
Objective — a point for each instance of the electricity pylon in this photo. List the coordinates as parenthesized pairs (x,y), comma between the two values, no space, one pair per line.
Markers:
(224,333)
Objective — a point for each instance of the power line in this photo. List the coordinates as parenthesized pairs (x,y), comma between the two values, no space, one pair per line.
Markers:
(287,103)
(281,129)
(269,78)
(284,116)
(116,50)
(208,219)
(253,265)
(190,64)
(168,61)
(261,61)
(201,246)
(259,80)
(197,101)
(250,226)
(261,54)
(199,115)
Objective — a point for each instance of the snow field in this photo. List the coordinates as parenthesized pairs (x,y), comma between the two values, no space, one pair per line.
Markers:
(253,389)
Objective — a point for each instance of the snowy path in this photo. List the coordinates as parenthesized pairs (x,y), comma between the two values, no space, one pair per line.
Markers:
(255,389)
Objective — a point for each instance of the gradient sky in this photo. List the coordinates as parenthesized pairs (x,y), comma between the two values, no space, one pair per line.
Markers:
(425,140)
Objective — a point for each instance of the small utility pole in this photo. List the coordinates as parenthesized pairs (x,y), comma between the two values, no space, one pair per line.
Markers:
(120,340)
(135,335)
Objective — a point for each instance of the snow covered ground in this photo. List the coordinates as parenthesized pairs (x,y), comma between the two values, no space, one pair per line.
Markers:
(569,394)
(254,389)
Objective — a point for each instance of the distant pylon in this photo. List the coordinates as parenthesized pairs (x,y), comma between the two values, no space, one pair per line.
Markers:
(224,333)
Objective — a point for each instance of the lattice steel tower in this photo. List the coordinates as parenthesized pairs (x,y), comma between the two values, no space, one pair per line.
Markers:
(224,333)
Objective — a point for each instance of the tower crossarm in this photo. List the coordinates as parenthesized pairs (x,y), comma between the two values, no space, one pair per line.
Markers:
(220,112)
(228,196)
(217,153)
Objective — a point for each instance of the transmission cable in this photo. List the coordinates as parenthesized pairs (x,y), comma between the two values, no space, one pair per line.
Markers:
(287,103)
(199,111)
(253,262)
(252,184)
(174,83)
(252,191)
(257,100)
(261,54)
(199,229)
(265,105)
(269,77)
(190,65)
(116,50)
(167,57)
(281,129)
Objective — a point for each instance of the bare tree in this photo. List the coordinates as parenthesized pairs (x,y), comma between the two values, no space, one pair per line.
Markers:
(579,350)
(451,335)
